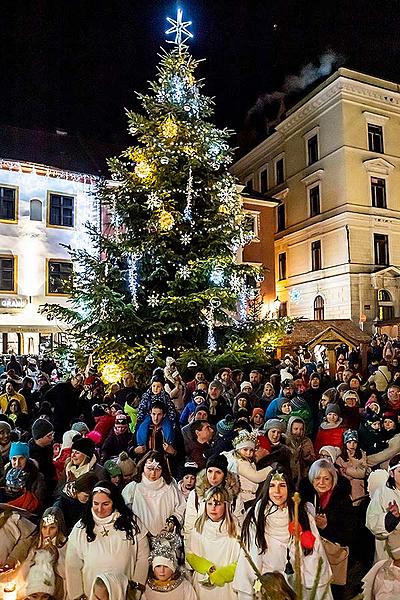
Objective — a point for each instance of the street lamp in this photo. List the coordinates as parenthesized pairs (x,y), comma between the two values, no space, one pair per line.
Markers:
(277,304)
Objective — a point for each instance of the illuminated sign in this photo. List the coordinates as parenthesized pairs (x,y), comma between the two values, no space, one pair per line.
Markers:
(17,302)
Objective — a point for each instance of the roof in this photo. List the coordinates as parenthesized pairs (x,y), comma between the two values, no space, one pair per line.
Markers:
(304,332)
(59,150)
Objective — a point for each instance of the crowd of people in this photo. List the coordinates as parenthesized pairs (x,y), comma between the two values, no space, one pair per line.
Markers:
(186,489)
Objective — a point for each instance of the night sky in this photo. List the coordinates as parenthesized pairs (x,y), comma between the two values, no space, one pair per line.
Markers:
(75,64)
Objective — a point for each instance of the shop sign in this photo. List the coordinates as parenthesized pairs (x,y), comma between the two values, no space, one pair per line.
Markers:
(16,302)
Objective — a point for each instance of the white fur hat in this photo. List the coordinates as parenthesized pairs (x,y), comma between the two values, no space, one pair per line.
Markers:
(41,577)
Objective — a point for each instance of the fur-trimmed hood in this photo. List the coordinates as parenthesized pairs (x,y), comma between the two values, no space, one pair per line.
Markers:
(231,483)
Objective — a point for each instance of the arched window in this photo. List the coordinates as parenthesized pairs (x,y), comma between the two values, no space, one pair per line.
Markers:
(35,210)
(319,308)
(385,306)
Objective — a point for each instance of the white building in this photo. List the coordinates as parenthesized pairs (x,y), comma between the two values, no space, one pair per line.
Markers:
(334,162)
(43,206)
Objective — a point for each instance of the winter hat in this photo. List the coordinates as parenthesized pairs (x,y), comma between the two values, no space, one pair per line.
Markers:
(333,452)
(84,445)
(218,461)
(86,482)
(216,384)
(19,449)
(315,376)
(274,424)
(41,428)
(41,578)
(351,435)
(257,411)
(162,553)
(225,426)
(373,402)
(281,401)
(376,480)
(341,389)
(192,364)
(244,439)
(351,394)
(200,407)
(199,394)
(189,468)
(112,468)
(158,379)
(245,384)
(244,395)
(287,383)
(68,438)
(95,436)
(121,423)
(126,465)
(80,427)
(390,415)
(116,585)
(332,408)
(4,426)
(98,411)
(16,479)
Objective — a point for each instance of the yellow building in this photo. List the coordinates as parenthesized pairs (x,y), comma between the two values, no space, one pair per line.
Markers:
(334,164)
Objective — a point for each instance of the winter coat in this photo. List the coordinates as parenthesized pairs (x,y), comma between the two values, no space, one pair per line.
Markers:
(382,458)
(329,436)
(63,397)
(382,377)
(115,444)
(71,508)
(302,453)
(15,536)
(379,521)
(356,471)
(146,401)
(104,425)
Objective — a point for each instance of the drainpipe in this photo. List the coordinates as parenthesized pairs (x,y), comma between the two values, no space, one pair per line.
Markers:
(348,242)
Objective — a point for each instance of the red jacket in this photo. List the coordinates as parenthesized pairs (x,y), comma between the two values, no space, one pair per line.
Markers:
(329,437)
(103,426)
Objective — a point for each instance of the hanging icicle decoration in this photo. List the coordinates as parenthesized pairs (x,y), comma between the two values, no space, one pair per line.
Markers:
(211,341)
(187,213)
(242,301)
(133,277)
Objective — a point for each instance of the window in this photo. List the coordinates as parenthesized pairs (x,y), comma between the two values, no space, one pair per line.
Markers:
(316,263)
(312,149)
(7,273)
(35,210)
(281,217)
(315,207)
(381,249)
(59,275)
(375,138)
(384,296)
(282,311)
(378,192)
(279,171)
(249,184)
(319,308)
(8,204)
(252,225)
(264,181)
(61,210)
(282,266)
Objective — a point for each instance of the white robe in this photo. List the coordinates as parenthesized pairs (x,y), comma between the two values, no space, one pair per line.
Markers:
(382,582)
(220,549)
(275,558)
(153,502)
(375,520)
(107,553)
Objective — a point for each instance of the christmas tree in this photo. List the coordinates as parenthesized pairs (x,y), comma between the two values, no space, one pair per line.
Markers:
(164,277)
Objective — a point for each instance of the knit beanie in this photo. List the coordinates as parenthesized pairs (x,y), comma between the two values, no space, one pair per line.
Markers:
(4,426)
(41,578)
(41,428)
(257,411)
(245,384)
(274,424)
(19,449)
(332,408)
(351,435)
(68,438)
(126,465)
(189,468)
(281,401)
(332,451)
(16,479)
(225,426)
(98,410)
(80,427)
(95,436)
(84,445)
(86,482)
(218,461)
(199,394)
(200,407)
(331,393)
(112,468)
(351,394)
(120,424)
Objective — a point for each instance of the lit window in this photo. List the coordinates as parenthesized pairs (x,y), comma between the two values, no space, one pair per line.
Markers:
(59,274)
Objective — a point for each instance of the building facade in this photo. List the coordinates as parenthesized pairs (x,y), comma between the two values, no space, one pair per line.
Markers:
(334,165)
(43,210)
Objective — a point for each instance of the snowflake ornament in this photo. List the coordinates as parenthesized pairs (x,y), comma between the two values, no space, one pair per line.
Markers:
(153,201)
(184,272)
(153,300)
(186,238)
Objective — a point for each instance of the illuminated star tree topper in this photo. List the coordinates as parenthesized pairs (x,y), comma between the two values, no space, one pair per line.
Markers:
(180,28)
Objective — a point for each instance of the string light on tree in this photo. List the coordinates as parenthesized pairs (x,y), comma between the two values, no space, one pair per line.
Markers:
(133,278)
(166,220)
(187,213)
(169,128)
